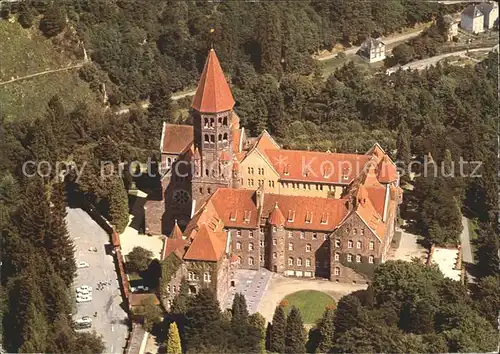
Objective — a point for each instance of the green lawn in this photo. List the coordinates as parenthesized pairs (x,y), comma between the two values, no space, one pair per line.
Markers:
(311,304)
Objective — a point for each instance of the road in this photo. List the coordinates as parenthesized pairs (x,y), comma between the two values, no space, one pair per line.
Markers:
(424,63)
(386,40)
(145,105)
(111,320)
(41,73)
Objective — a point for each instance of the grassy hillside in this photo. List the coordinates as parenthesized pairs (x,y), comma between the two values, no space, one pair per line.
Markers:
(26,52)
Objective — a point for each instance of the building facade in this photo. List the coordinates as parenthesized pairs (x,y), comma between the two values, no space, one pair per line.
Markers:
(373,50)
(243,202)
(472,19)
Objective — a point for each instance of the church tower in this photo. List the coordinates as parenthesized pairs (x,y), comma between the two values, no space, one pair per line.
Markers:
(212,110)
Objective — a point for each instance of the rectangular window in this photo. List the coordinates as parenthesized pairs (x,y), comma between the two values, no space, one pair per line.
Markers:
(302,235)
(337,243)
(274,242)
(372,245)
(290,246)
(250,234)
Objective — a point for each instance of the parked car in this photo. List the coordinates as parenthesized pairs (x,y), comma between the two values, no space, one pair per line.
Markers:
(84,293)
(83,288)
(139,289)
(83,298)
(82,265)
(84,319)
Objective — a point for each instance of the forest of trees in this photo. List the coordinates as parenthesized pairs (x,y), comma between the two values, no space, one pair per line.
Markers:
(137,44)
(411,308)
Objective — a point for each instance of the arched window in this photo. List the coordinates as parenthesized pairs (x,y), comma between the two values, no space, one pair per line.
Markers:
(337,257)
(358,258)
(206,122)
(212,122)
(238,245)
(349,257)
(370,259)
(206,172)
(251,261)
(250,246)
(275,255)
(219,138)
(299,262)
(290,261)
(336,271)
(308,247)
(372,245)
(207,277)
(206,138)
(191,276)
(219,122)
(308,262)
(212,138)
(290,246)
(358,245)
(225,137)
(225,122)
(349,244)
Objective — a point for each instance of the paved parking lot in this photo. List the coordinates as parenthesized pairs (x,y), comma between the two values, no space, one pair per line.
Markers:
(111,320)
(251,283)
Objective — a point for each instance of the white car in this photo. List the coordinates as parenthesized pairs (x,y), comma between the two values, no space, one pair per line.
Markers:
(84,320)
(84,293)
(82,265)
(83,288)
(83,298)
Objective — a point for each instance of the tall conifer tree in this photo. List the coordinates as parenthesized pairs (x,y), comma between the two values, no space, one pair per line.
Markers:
(294,332)
(277,333)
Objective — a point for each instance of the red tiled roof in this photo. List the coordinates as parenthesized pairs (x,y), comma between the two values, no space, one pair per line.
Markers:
(225,156)
(236,207)
(316,167)
(174,245)
(176,138)
(176,232)
(236,140)
(266,142)
(213,94)
(323,213)
(387,171)
(276,217)
(207,245)
(368,213)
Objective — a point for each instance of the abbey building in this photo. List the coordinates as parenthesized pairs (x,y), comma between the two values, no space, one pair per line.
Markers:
(233,201)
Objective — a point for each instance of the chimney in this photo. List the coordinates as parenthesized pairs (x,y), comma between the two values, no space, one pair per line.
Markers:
(259,197)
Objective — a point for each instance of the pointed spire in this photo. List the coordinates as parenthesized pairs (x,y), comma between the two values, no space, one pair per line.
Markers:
(176,232)
(276,217)
(213,94)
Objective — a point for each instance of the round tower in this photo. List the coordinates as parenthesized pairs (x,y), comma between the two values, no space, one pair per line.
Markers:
(276,238)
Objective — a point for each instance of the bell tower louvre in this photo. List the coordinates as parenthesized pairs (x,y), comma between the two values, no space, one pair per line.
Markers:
(212,111)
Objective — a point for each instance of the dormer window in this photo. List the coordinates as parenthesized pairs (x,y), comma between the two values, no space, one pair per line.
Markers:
(291,215)
(285,170)
(305,172)
(232,216)
(309,217)
(324,219)
(246,217)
